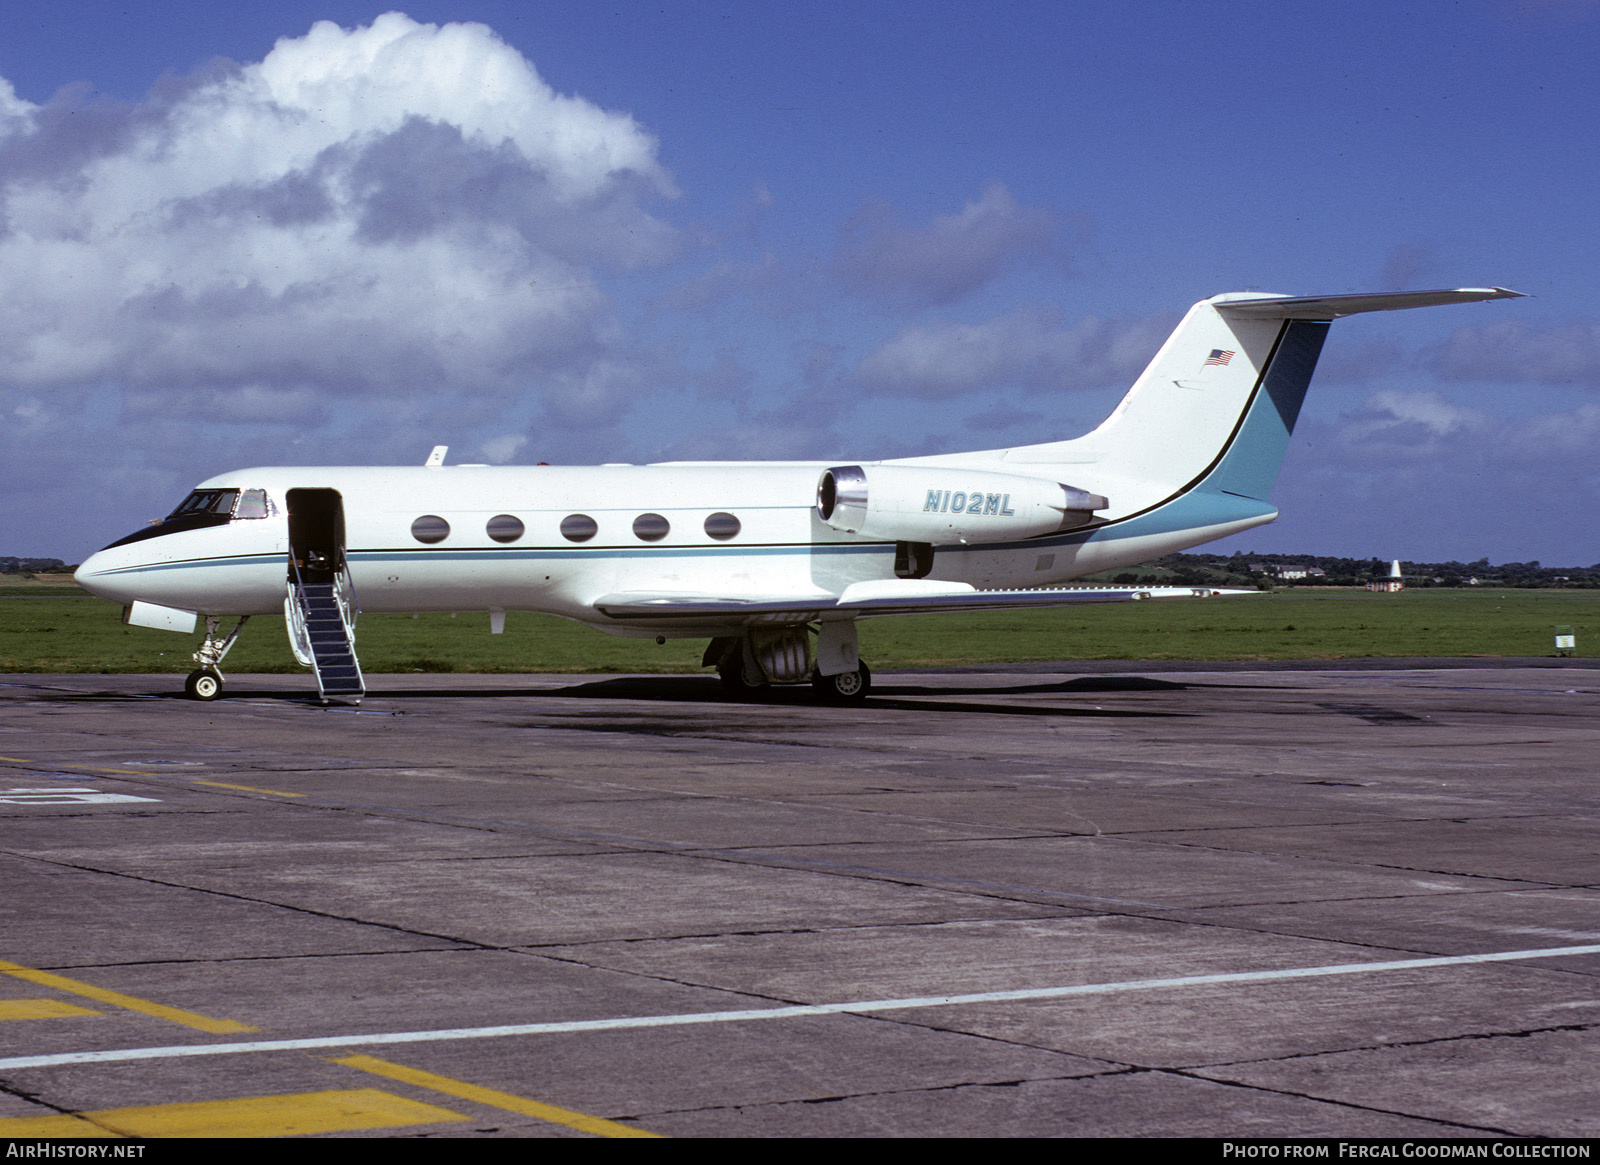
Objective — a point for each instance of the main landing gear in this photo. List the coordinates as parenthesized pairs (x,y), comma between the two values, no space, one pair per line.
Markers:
(749,665)
(206,682)
(846,687)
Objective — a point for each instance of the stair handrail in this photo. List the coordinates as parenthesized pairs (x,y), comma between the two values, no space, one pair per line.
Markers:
(344,591)
(296,612)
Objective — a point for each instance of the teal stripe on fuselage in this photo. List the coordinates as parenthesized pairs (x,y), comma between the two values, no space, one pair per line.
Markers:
(189,563)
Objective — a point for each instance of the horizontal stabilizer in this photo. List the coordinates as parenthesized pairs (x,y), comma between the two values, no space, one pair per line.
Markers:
(1330,307)
(638,606)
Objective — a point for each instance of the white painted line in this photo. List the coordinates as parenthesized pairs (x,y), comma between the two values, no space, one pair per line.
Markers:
(63,796)
(862,1006)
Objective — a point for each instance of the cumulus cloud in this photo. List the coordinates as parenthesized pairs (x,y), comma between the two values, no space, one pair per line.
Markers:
(503,448)
(1412,474)
(1394,426)
(764,278)
(1424,434)
(1031,348)
(376,212)
(950,257)
(1511,350)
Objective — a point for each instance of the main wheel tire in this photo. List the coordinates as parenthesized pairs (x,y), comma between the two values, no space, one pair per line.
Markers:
(204,684)
(846,687)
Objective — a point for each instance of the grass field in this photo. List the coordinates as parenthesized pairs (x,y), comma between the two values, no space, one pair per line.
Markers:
(54,627)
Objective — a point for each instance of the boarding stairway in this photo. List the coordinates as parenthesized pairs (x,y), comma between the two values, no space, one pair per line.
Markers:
(321,618)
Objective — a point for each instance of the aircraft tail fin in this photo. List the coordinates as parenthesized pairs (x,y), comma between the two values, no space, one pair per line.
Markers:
(1216,406)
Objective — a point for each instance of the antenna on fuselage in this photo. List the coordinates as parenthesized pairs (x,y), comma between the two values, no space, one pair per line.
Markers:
(436,458)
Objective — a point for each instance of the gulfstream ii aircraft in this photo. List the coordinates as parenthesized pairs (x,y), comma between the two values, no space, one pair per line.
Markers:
(773,562)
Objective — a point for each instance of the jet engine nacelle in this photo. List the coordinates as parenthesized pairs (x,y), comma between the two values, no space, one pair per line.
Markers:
(916,503)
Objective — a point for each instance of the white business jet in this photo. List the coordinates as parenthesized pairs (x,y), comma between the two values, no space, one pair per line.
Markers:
(772,561)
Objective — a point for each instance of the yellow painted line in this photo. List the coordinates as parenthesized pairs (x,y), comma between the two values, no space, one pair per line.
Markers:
(17,760)
(58,1126)
(293,1115)
(41,1009)
(599,1126)
(249,789)
(128,1002)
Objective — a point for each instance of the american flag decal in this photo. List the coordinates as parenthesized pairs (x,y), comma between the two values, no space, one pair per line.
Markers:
(1218,357)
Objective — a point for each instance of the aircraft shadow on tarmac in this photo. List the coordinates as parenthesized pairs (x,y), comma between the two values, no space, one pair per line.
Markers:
(908,697)
(896,692)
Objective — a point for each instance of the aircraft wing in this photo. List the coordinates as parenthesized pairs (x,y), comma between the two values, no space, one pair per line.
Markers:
(889,597)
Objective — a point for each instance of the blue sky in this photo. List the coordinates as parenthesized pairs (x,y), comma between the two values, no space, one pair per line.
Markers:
(577,233)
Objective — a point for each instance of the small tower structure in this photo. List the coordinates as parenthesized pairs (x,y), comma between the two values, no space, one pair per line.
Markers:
(1395,582)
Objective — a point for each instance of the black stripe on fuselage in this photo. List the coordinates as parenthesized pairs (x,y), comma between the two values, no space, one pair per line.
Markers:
(174,526)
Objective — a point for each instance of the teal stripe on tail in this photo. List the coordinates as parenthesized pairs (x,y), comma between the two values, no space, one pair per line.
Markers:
(1249,467)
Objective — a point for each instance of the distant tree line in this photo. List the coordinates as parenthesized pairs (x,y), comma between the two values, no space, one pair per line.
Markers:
(29,565)
(1268,570)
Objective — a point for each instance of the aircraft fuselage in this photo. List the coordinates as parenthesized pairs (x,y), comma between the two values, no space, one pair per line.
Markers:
(452,538)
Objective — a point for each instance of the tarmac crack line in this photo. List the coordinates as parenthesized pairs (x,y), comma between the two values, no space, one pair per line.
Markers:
(1133,1070)
(1351,1104)
(1523,883)
(869,1094)
(1528,883)
(1523,1033)
(230,895)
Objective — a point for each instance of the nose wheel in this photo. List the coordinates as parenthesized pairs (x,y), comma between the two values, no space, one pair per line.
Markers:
(205,684)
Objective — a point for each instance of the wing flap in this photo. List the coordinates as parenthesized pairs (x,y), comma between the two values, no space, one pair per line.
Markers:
(1012,600)
(666,606)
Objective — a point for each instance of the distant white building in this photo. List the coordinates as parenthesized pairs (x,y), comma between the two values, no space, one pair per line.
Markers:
(1395,581)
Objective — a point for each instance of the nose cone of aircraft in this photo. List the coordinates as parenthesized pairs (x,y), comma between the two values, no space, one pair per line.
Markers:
(89,573)
(103,575)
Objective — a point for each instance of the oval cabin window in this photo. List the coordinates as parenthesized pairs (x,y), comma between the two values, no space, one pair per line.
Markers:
(722,526)
(650,527)
(505,528)
(578,527)
(430,528)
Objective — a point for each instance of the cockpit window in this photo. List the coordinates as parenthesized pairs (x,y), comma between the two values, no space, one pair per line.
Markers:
(223,503)
(253,504)
(205,501)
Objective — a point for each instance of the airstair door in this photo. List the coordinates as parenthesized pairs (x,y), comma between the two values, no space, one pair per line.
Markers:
(321,604)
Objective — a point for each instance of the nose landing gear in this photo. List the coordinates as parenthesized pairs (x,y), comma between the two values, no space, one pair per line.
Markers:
(206,682)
